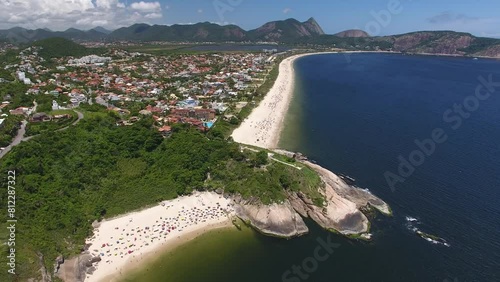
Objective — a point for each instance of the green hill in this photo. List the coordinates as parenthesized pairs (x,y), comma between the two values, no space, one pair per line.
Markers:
(59,47)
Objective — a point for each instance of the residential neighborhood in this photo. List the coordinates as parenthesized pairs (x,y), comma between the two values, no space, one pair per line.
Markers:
(196,89)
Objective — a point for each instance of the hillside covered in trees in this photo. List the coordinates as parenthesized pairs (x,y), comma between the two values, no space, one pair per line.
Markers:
(66,180)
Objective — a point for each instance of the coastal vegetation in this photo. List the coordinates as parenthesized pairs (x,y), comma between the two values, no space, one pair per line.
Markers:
(65,180)
(60,47)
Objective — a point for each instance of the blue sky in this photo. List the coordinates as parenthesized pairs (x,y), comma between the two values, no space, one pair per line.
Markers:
(481,17)
(378,17)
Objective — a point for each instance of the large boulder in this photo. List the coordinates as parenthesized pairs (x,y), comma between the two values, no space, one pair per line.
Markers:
(279,220)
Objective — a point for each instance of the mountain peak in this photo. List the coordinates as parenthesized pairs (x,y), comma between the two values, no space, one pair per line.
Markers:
(101,30)
(311,20)
(313,25)
(71,29)
(286,30)
(355,33)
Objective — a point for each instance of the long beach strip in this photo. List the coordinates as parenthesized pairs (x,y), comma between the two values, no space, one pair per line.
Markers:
(263,126)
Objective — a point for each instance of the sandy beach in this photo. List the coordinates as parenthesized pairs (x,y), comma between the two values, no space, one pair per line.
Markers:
(263,126)
(127,241)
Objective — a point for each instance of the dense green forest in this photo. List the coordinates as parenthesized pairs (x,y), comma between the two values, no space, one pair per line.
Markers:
(66,180)
(59,47)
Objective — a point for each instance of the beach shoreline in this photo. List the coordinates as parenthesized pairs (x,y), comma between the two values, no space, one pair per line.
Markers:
(139,264)
(263,127)
(128,242)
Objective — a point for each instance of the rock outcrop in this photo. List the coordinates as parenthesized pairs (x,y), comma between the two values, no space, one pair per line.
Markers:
(279,220)
(353,33)
(77,268)
(338,214)
(360,197)
(57,265)
(341,212)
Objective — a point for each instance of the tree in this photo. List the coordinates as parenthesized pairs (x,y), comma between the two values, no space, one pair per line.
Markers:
(285,181)
(261,158)
(234,121)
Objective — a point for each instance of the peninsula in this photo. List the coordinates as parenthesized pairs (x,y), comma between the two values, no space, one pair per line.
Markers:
(155,130)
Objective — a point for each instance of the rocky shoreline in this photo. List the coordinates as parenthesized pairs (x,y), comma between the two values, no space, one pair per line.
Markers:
(341,213)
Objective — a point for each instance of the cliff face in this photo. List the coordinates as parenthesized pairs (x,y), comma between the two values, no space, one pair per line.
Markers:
(433,43)
(279,220)
(360,197)
(493,51)
(340,213)
(313,26)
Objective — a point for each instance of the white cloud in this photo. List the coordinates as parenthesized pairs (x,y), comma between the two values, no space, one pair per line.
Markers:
(200,11)
(82,14)
(106,4)
(100,23)
(146,6)
(153,16)
(287,10)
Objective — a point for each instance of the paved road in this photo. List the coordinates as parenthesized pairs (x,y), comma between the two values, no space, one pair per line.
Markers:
(18,139)
(80,117)
(20,134)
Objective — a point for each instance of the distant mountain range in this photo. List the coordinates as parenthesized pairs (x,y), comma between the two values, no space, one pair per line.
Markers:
(290,31)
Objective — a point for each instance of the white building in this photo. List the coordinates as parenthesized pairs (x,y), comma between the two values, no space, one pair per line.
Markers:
(21,75)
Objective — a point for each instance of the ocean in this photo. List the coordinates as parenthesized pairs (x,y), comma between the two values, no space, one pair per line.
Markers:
(415,131)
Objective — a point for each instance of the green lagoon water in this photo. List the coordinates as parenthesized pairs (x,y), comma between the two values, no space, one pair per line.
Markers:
(201,257)
(242,255)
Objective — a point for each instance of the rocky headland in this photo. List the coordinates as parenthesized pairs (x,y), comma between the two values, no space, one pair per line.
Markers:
(341,212)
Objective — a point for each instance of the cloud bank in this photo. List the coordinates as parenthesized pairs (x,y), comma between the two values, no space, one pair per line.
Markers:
(83,14)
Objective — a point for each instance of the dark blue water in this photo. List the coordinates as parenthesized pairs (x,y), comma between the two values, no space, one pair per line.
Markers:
(357,115)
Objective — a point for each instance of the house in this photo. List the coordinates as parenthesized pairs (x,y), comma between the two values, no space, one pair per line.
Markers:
(19,111)
(165,130)
(38,117)
(205,114)
(59,117)
(145,113)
